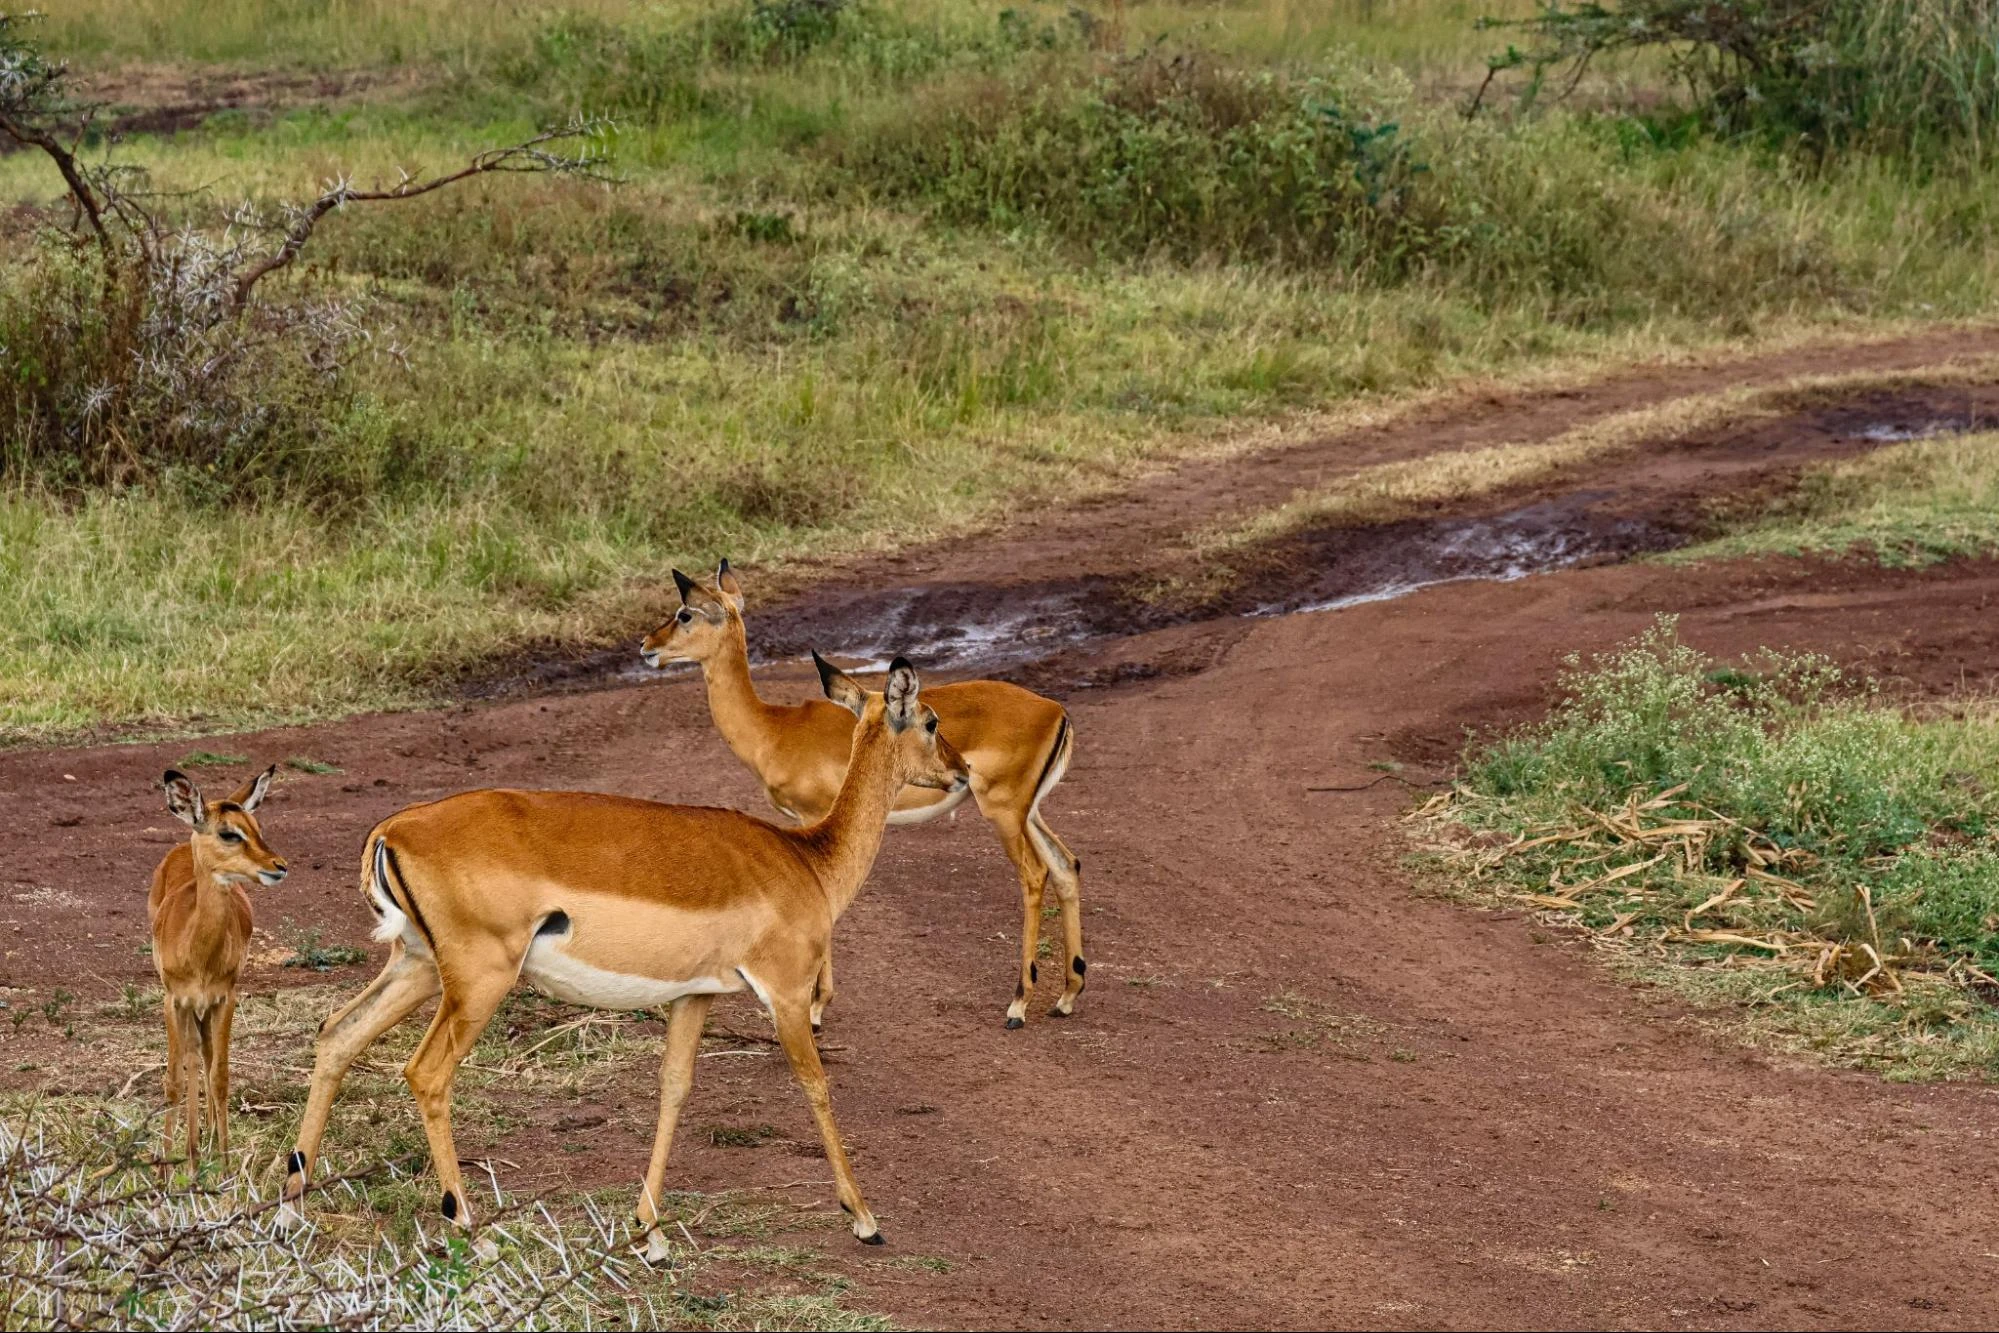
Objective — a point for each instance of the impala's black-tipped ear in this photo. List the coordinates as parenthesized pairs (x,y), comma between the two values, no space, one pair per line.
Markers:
(726,584)
(685,584)
(840,687)
(900,692)
(184,798)
(252,793)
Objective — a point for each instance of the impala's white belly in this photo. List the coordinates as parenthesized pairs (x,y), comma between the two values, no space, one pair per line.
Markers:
(560,977)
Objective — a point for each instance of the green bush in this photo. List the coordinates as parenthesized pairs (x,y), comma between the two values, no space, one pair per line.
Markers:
(1908,75)
(1811,764)
(107,380)
(1162,152)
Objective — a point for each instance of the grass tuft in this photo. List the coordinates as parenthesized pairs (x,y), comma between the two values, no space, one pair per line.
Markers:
(1772,831)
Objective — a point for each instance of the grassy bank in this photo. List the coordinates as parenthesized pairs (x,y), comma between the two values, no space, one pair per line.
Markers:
(876,273)
(1765,837)
(1912,503)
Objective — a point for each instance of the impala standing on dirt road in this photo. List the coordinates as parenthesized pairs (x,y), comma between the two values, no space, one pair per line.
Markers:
(200,918)
(1016,742)
(616,903)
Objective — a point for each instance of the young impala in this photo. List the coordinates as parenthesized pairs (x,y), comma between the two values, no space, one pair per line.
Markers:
(616,903)
(1016,742)
(201,926)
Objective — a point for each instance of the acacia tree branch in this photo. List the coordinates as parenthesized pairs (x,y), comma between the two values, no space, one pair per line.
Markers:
(28,136)
(528,156)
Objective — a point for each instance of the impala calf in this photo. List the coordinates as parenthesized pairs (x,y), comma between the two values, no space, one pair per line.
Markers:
(616,903)
(1016,743)
(200,917)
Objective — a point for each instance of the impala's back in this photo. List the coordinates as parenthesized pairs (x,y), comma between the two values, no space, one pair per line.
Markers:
(610,902)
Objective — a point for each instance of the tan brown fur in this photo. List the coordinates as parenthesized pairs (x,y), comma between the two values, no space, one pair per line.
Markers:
(201,919)
(620,903)
(1012,739)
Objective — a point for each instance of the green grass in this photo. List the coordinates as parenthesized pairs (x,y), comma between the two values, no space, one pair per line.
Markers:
(1906,504)
(786,334)
(1770,834)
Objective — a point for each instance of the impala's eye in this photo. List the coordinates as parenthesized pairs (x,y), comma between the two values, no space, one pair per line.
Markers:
(931,726)
(685,616)
(230,835)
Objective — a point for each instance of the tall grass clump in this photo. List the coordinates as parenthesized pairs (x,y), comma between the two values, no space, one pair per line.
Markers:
(1916,76)
(1770,820)
(1162,152)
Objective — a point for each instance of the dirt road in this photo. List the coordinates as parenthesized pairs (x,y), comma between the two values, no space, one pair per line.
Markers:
(1299,1091)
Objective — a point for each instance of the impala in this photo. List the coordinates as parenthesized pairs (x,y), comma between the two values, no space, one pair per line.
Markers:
(200,917)
(616,903)
(1016,743)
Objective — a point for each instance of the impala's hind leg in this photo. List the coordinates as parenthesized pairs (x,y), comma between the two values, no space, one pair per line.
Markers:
(405,983)
(1027,864)
(462,1014)
(822,990)
(1067,873)
(676,1076)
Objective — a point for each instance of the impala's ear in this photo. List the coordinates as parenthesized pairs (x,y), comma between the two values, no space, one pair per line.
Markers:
(901,694)
(697,598)
(725,583)
(184,798)
(252,793)
(840,687)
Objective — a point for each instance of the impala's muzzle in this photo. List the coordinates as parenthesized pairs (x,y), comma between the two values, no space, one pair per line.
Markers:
(275,874)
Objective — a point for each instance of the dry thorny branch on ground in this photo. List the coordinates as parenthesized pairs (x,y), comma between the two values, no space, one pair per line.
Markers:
(1673,838)
(97,1232)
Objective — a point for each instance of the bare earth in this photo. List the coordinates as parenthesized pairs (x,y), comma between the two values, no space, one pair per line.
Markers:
(1471,1125)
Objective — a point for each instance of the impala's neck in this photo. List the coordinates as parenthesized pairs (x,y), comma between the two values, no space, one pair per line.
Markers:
(743,718)
(845,842)
(211,895)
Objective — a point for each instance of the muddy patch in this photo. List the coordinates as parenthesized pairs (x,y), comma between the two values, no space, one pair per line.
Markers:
(1633,503)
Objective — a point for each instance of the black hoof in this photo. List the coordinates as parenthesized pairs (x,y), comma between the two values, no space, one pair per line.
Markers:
(1058,1013)
(876,1239)
(1013,1023)
(818,1028)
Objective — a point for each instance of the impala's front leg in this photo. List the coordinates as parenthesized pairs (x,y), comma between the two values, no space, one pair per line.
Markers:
(676,1076)
(794,1034)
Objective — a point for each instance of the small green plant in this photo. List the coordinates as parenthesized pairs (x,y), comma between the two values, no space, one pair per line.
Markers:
(210,759)
(306,764)
(309,952)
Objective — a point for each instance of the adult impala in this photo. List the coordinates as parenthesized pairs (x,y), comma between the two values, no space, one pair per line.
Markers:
(617,903)
(1016,743)
(200,918)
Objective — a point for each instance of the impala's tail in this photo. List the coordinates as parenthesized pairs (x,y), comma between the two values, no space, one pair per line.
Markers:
(397,915)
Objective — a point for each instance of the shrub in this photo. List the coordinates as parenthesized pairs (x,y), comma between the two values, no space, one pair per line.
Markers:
(1159,152)
(1910,75)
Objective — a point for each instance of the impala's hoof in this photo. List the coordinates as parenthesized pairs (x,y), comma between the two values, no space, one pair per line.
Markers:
(1013,1023)
(1058,1012)
(658,1254)
(876,1239)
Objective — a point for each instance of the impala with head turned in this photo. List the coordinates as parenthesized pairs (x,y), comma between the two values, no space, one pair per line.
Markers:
(615,903)
(1016,743)
(200,916)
